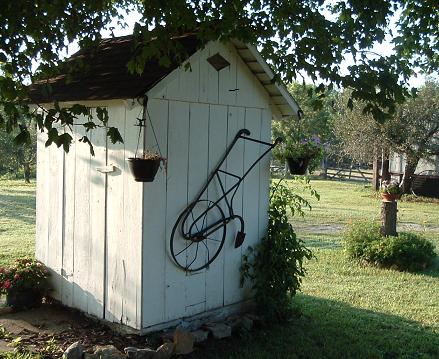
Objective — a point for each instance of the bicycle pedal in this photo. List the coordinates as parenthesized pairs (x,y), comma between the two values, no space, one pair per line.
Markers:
(240,236)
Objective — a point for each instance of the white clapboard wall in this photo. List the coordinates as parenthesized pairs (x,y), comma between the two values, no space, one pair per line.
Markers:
(196,115)
(89,223)
(106,237)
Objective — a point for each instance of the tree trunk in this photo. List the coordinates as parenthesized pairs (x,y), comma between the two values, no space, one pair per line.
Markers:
(409,170)
(376,174)
(325,168)
(388,218)
(385,165)
(26,170)
(385,173)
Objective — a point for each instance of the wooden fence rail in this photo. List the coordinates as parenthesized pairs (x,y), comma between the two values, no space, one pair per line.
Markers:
(353,173)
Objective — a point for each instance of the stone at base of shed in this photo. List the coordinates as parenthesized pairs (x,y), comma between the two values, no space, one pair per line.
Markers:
(195,321)
(76,351)
(191,323)
(176,343)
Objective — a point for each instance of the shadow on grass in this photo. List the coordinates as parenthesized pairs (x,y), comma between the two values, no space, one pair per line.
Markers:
(433,269)
(322,240)
(19,207)
(322,244)
(330,329)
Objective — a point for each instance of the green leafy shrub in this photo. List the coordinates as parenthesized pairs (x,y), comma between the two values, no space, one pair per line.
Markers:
(404,252)
(275,266)
(407,251)
(359,236)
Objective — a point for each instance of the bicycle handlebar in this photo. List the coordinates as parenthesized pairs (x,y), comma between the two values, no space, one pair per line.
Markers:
(243,131)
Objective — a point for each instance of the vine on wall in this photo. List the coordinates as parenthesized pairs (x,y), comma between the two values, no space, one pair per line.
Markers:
(275,265)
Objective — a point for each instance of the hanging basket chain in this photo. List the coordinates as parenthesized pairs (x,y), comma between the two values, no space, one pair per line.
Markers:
(142,125)
(153,130)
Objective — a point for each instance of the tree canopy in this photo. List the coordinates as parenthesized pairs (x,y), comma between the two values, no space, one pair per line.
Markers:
(413,130)
(357,135)
(316,114)
(18,160)
(310,37)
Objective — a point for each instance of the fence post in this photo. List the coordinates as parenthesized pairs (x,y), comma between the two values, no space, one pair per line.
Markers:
(376,175)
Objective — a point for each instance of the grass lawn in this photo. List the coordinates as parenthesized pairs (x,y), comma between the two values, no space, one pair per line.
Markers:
(17,220)
(347,311)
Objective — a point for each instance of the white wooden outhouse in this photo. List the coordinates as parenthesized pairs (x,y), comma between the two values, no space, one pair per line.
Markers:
(105,236)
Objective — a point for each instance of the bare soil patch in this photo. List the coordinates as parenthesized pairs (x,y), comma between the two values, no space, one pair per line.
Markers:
(64,326)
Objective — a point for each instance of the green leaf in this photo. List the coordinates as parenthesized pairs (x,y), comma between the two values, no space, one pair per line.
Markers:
(77,110)
(23,136)
(350,104)
(114,135)
(102,114)
(85,139)
(52,136)
(64,140)
(89,126)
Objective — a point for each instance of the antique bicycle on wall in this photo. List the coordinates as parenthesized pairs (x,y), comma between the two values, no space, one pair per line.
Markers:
(202,226)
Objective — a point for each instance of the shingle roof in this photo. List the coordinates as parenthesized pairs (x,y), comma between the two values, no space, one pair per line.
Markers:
(106,75)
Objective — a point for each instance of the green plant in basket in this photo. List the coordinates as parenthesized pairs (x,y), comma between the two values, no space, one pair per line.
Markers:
(300,154)
(390,187)
(297,149)
(24,283)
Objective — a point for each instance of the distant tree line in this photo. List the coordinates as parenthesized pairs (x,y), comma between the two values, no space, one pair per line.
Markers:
(18,160)
(351,134)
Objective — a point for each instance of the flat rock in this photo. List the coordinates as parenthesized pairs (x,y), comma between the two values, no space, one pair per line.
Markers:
(200,335)
(106,352)
(235,323)
(91,356)
(257,320)
(184,342)
(74,351)
(165,351)
(135,353)
(167,336)
(246,323)
(219,330)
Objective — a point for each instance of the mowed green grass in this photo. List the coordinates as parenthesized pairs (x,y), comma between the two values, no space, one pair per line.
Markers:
(411,296)
(347,310)
(17,220)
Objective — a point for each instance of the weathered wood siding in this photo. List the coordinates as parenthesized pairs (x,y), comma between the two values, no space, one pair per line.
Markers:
(106,237)
(89,224)
(196,115)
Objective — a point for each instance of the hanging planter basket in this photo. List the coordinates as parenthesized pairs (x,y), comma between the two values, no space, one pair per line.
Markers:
(298,166)
(389,197)
(145,167)
(143,170)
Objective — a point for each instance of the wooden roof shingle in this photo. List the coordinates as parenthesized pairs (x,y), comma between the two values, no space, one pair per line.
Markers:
(105,75)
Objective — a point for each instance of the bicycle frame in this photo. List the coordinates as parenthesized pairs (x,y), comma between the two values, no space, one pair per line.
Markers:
(198,236)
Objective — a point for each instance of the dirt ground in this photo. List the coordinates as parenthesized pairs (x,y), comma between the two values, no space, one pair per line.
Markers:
(51,328)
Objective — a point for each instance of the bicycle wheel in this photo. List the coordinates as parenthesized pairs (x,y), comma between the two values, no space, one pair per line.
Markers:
(198,236)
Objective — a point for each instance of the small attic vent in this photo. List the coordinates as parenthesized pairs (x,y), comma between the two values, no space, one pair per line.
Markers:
(218,62)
